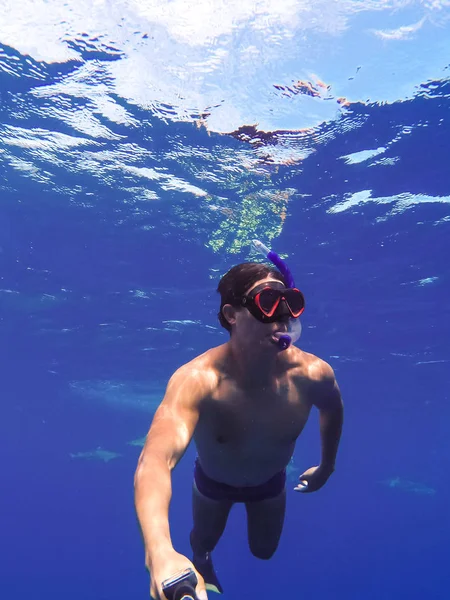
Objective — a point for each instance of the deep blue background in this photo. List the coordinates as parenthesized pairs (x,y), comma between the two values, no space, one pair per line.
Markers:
(68,527)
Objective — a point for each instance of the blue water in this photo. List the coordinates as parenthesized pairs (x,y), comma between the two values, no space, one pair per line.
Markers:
(118,216)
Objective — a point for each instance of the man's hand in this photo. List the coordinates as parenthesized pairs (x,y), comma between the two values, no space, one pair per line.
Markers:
(313,479)
(167,565)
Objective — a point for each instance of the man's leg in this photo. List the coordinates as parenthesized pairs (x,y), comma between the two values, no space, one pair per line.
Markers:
(265,519)
(210,518)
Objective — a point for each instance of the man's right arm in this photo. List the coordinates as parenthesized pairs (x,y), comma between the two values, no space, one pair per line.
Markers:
(170,433)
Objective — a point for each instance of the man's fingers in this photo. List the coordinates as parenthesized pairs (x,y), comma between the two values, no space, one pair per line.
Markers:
(302,486)
(201,594)
(200,590)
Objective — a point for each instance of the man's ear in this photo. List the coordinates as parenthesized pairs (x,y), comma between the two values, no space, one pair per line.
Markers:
(229,313)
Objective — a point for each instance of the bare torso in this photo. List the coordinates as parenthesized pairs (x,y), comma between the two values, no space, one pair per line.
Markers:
(247,432)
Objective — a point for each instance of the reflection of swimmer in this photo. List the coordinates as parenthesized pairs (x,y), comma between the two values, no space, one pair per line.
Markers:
(244,403)
(343,102)
(303,87)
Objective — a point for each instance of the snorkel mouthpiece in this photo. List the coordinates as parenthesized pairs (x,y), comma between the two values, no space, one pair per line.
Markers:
(295,327)
(284,342)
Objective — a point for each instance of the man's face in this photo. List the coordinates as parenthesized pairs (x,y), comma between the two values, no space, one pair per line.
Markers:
(248,328)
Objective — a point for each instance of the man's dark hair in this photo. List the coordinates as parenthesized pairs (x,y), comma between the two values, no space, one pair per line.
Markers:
(236,282)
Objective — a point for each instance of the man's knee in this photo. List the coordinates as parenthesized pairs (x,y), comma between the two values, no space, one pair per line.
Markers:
(265,523)
(264,552)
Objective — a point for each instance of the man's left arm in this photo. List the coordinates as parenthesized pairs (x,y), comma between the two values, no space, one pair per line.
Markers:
(326,396)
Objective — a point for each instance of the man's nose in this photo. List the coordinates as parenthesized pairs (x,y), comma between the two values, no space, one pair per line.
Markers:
(283,310)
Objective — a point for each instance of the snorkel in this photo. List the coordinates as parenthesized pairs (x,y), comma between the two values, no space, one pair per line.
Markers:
(295,328)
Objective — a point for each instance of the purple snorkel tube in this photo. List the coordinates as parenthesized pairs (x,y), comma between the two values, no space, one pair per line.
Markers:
(295,328)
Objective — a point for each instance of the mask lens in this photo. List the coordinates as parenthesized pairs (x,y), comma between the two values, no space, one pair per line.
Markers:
(268,299)
(295,301)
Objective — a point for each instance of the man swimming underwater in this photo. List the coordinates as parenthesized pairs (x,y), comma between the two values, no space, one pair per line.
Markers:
(244,403)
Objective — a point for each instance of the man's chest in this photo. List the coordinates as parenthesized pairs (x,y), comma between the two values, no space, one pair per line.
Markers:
(262,416)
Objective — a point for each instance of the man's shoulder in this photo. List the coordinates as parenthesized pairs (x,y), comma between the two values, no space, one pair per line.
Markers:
(202,369)
(319,381)
(313,368)
(319,370)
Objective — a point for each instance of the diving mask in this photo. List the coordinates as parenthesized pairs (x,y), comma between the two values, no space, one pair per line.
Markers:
(272,301)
